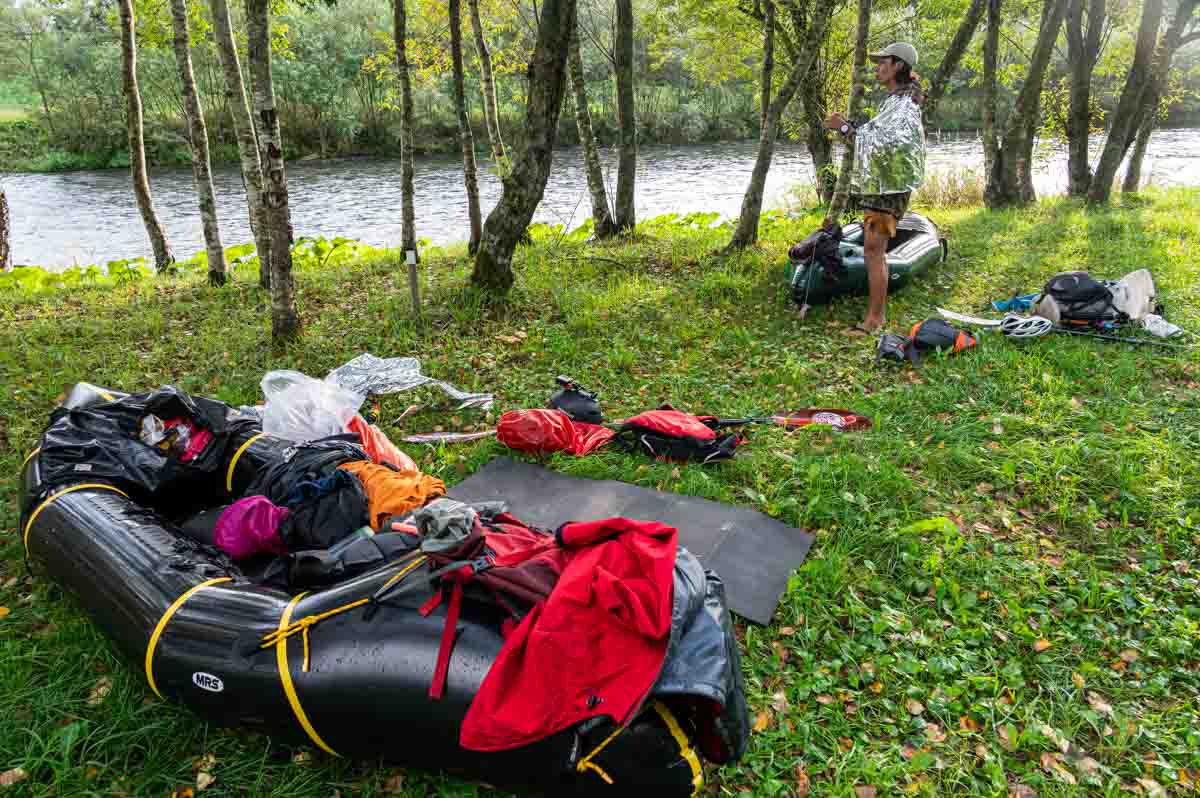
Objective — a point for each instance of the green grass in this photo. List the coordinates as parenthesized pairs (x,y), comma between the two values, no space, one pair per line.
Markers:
(13,114)
(1047,634)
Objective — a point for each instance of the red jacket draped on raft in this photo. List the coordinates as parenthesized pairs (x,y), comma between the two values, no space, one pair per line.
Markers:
(595,647)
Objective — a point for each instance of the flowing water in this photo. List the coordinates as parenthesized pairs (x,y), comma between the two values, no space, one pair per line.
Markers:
(65,219)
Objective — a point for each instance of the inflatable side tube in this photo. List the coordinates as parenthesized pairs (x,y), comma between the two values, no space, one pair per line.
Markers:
(331,676)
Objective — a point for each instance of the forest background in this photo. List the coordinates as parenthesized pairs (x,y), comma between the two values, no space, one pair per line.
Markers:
(697,62)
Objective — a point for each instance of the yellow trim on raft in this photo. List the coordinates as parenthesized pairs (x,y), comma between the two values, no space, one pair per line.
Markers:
(33,516)
(234,461)
(587,764)
(685,747)
(285,677)
(162,624)
(29,457)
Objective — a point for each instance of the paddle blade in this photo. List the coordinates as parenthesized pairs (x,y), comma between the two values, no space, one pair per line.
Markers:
(842,420)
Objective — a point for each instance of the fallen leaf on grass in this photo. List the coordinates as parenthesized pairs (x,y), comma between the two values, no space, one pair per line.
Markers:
(10,777)
(908,752)
(1041,645)
(1008,737)
(761,722)
(1021,791)
(1097,702)
(1051,764)
(183,792)
(4,611)
(1087,767)
(788,631)
(824,699)
(803,783)
(865,791)
(877,688)
(1152,788)
(846,744)
(914,706)
(100,691)
(968,724)
(780,651)
(394,784)
(204,780)
(302,758)
(934,733)
(1129,656)
(779,702)
(1052,734)
(206,762)
(1078,680)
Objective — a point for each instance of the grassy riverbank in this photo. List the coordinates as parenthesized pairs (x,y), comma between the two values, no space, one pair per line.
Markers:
(1045,635)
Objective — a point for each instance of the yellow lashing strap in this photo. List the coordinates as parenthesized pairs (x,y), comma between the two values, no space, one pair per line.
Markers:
(30,456)
(162,624)
(587,764)
(685,747)
(285,677)
(234,461)
(87,486)
(302,626)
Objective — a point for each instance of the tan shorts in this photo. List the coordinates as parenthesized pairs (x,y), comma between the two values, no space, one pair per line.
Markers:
(880,223)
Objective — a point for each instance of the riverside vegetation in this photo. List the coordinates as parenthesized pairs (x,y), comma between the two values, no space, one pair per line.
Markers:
(1003,597)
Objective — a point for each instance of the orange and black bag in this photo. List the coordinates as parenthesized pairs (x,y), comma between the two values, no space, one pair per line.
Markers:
(931,335)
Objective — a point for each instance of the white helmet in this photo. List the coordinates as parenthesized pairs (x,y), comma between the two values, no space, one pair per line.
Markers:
(1022,327)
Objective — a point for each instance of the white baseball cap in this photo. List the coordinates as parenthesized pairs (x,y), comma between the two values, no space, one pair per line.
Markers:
(902,50)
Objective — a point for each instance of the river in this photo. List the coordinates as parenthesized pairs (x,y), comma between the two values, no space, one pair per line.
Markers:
(76,218)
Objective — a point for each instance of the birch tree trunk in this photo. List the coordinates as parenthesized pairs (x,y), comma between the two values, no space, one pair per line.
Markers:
(285,321)
(1125,119)
(408,225)
(1083,49)
(470,173)
(603,225)
(5,233)
(746,232)
(768,64)
(525,183)
(1172,40)
(626,216)
(163,259)
(991,48)
(954,53)
(1010,181)
(841,191)
(198,137)
(487,81)
(243,125)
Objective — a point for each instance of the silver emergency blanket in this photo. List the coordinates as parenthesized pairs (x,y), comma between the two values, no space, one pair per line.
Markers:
(367,374)
(889,151)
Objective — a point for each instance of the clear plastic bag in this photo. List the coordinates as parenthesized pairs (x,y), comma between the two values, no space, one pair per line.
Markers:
(368,374)
(301,408)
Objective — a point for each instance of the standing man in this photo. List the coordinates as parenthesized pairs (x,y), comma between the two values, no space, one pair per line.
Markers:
(889,164)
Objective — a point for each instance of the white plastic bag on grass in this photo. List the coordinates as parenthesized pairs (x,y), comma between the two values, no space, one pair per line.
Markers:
(301,408)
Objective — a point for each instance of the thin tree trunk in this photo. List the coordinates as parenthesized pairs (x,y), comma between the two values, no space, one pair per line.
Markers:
(1171,41)
(1083,49)
(243,125)
(1125,119)
(1010,181)
(991,47)
(626,216)
(817,138)
(768,64)
(841,191)
(198,137)
(1133,172)
(746,232)
(408,225)
(163,259)
(603,225)
(5,233)
(487,82)
(470,173)
(285,321)
(525,183)
(41,87)
(958,46)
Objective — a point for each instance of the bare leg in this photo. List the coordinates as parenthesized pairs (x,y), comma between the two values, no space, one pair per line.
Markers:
(875,255)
